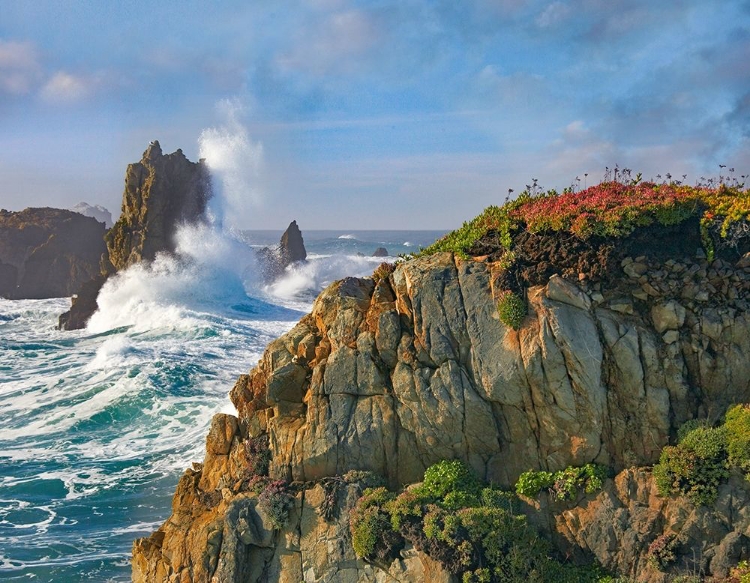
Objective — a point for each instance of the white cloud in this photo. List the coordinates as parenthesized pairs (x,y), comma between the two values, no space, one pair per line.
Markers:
(554,14)
(19,67)
(65,87)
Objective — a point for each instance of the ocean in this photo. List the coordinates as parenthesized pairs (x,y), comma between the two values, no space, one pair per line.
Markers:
(97,425)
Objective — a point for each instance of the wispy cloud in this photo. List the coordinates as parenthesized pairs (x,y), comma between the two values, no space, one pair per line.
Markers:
(64,87)
(19,67)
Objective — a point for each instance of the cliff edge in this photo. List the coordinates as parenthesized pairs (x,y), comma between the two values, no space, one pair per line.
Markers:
(595,362)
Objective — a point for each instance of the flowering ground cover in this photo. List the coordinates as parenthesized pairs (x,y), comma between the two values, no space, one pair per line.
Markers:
(608,210)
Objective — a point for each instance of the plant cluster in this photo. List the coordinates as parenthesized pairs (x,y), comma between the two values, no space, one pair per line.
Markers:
(694,467)
(511,309)
(662,551)
(740,573)
(703,456)
(737,427)
(564,484)
(610,209)
(258,455)
(276,501)
(382,271)
(455,519)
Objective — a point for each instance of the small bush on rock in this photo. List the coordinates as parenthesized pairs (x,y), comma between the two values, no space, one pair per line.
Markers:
(661,552)
(511,309)
(258,455)
(695,467)
(737,426)
(276,501)
(564,484)
(370,525)
(449,476)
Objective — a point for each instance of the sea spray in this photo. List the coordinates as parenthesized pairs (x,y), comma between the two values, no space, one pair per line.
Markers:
(235,162)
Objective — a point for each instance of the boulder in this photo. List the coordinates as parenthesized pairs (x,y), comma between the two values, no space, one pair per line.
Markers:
(380,252)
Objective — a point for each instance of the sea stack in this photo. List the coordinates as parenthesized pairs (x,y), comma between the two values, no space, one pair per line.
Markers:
(162,191)
(291,249)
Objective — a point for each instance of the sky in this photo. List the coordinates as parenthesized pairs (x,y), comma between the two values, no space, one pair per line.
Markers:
(392,114)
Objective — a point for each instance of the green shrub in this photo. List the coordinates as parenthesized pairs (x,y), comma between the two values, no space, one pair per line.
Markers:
(695,467)
(530,483)
(370,526)
(564,484)
(737,426)
(497,498)
(449,476)
(407,506)
(571,480)
(688,426)
(512,309)
(470,529)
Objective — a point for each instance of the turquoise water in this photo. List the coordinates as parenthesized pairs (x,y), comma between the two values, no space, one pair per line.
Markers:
(97,425)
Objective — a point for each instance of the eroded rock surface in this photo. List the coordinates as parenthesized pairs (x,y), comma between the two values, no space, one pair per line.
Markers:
(394,376)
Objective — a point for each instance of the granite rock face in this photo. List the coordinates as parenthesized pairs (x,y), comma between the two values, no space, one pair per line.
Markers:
(47,253)
(162,191)
(394,376)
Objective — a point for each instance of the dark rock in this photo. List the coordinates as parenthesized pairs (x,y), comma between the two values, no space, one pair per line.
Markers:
(291,249)
(83,305)
(380,252)
(47,253)
(292,246)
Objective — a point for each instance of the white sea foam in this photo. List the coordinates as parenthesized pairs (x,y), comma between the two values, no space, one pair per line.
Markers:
(301,281)
(347,237)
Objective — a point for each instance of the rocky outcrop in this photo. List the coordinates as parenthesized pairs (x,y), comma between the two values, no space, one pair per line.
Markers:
(380,252)
(394,375)
(162,191)
(291,249)
(47,253)
(219,532)
(96,211)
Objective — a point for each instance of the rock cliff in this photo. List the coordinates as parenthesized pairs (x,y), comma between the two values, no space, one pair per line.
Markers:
(162,191)
(394,373)
(47,253)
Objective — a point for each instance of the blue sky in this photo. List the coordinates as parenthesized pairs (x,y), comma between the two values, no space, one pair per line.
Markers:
(382,114)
